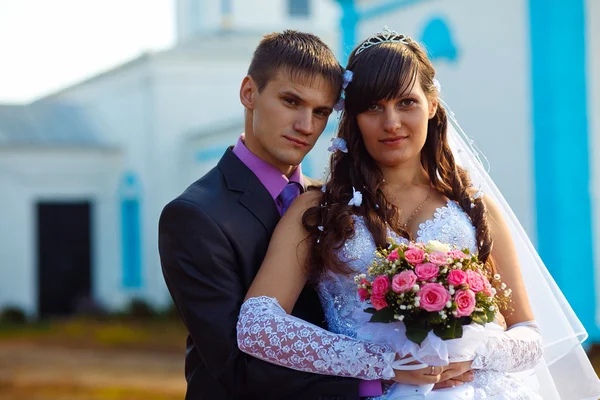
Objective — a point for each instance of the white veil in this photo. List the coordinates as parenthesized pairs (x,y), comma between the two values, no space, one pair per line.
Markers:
(565,372)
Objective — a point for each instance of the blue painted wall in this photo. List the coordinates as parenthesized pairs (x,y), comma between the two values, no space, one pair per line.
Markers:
(561,146)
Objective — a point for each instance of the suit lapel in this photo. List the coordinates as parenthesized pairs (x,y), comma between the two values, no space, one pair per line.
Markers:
(253,195)
(263,207)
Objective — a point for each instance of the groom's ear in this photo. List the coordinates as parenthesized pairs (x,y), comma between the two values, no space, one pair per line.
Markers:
(248,92)
(433,105)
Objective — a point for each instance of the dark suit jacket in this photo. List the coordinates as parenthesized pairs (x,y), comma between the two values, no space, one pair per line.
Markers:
(212,241)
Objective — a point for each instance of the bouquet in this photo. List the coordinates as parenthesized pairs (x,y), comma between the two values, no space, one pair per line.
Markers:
(431,287)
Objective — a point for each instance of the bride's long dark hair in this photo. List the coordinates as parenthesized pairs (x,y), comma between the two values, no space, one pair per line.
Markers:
(384,71)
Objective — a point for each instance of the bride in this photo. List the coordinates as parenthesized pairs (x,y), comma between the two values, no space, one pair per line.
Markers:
(402,168)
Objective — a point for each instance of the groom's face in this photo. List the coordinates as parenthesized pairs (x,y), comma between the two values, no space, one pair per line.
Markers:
(286,117)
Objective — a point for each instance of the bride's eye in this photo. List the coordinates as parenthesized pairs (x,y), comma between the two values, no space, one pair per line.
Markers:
(407,103)
(374,107)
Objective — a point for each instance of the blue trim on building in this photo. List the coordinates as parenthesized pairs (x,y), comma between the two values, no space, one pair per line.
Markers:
(211,153)
(439,41)
(348,24)
(352,16)
(129,198)
(386,7)
(561,149)
(298,8)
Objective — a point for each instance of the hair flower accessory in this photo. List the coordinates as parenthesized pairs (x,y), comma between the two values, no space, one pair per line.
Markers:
(356,200)
(348,75)
(338,144)
(437,85)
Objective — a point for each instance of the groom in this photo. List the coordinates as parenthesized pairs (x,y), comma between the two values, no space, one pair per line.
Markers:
(213,237)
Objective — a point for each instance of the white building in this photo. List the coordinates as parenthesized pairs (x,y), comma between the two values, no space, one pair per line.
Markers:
(152,126)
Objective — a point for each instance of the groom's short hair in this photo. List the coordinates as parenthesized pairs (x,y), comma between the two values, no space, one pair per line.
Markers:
(301,55)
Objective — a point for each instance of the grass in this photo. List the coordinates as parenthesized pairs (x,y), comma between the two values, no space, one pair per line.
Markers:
(118,333)
(143,335)
(136,342)
(73,392)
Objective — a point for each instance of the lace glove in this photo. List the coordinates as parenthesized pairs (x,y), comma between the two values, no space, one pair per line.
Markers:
(267,332)
(517,349)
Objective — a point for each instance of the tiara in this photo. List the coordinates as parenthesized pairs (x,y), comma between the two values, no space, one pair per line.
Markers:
(385,36)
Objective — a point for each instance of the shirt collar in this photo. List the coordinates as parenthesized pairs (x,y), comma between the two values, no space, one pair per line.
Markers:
(271,178)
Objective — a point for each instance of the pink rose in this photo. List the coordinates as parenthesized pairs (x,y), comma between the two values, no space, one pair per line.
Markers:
(427,271)
(438,258)
(433,297)
(379,303)
(404,281)
(363,294)
(456,277)
(393,256)
(475,280)
(457,254)
(414,256)
(381,284)
(465,302)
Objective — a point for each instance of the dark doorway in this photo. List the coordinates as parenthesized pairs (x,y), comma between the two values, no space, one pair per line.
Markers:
(64,256)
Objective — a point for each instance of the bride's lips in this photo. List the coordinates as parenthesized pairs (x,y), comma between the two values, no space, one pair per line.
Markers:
(296,141)
(393,141)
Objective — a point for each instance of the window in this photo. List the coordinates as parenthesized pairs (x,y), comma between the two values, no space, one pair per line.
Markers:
(226,7)
(299,8)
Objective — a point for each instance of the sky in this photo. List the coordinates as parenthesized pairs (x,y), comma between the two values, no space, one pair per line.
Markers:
(47,45)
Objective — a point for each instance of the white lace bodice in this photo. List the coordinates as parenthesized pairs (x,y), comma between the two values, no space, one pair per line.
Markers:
(267,332)
(338,293)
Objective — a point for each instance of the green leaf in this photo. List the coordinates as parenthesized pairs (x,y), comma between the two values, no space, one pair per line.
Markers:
(479,318)
(491,315)
(433,318)
(416,333)
(383,315)
(451,330)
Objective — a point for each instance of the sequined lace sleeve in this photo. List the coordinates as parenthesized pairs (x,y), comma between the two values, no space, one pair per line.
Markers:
(266,331)
(518,349)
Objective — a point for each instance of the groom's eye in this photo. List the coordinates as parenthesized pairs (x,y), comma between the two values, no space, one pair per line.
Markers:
(322,113)
(291,101)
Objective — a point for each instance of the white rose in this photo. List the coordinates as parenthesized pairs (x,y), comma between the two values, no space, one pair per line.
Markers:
(434,245)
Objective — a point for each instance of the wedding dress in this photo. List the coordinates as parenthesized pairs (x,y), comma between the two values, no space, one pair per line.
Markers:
(267,332)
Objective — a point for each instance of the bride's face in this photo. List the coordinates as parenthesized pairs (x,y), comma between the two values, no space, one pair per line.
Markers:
(394,131)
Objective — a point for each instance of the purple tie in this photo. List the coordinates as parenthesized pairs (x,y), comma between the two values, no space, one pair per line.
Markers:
(288,194)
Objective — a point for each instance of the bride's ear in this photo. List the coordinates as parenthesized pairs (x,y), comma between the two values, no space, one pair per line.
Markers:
(433,105)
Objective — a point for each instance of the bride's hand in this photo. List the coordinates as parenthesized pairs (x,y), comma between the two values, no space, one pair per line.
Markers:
(424,376)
